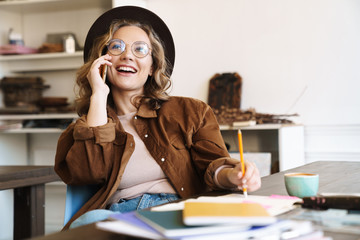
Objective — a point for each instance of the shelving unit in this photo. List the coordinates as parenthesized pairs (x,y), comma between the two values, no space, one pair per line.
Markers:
(285,142)
(22,117)
(34,19)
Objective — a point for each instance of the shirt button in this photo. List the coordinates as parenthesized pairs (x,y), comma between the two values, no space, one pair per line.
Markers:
(146,135)
(135,117)
(163,159)
(182,189)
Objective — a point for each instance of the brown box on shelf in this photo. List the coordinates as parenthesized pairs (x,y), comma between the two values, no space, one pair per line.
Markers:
(55,105)
(22,91)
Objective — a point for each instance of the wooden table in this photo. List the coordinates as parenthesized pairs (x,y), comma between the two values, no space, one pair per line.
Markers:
(340,177)
(334,176)
(28,183)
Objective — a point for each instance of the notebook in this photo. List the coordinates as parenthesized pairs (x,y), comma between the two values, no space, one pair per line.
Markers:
(129,224)
(206,213)
(170,224)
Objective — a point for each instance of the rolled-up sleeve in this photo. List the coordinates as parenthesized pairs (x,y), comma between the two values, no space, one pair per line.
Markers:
(208,148)
(100,134)
(84,154)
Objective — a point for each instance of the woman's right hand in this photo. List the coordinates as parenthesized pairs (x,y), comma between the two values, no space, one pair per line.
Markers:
(96,82)
(97,114)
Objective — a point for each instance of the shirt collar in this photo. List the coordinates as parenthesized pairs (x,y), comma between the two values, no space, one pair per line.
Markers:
(146,112)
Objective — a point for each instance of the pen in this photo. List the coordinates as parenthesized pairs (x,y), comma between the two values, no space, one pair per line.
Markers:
(242,158)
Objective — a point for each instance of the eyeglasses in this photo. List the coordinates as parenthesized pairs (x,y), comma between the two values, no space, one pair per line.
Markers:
(117,47)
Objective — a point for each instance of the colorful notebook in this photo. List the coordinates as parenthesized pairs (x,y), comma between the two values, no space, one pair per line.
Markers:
(132,219)
(206,213)
(170,224)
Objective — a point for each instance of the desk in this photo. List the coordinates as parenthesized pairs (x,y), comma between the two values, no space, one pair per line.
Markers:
(334,176)
(342,177)
(28,183)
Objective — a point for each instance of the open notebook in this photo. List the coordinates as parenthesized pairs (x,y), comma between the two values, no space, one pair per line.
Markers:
(274,204)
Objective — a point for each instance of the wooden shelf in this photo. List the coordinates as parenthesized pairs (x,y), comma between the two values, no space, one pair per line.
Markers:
(269,126)
(34,130)
(42,62)
(40,56)
(18,126)
(40,5)
(39,116)
(24,2)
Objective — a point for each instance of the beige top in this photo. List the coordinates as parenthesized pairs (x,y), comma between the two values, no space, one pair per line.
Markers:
(142,174)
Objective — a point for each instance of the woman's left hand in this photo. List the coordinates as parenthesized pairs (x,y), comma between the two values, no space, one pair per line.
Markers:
(251,180)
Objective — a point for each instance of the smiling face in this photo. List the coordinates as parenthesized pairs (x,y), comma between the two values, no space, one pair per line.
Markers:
(128,72)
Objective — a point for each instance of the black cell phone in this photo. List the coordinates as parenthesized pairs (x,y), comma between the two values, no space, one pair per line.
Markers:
(339,202)
(103,71)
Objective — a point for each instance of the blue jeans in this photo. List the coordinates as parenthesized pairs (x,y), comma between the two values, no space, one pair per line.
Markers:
(145,201)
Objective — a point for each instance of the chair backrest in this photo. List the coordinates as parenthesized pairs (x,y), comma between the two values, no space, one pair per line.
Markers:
(76,197)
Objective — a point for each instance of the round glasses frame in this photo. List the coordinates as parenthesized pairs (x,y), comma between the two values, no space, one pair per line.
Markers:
(116,47)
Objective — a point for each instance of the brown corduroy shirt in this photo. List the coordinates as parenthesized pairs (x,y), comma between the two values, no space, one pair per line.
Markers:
(183,136)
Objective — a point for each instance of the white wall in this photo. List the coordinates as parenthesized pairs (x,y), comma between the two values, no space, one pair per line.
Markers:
(299,56)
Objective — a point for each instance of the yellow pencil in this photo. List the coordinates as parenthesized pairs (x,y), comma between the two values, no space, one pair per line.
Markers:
(242,158)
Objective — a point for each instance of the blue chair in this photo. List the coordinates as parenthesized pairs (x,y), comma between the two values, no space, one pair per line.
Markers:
(76,197)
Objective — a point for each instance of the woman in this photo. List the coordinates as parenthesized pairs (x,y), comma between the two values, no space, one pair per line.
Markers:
(138,144)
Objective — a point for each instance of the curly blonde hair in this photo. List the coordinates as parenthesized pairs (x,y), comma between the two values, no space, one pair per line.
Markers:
(155,86)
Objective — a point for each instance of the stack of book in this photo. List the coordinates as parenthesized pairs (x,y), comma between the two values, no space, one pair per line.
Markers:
(207,218)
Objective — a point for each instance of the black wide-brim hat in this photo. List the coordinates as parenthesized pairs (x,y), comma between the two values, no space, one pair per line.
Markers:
(142,15)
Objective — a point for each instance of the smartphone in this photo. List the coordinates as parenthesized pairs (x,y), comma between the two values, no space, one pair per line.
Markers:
(103,71)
